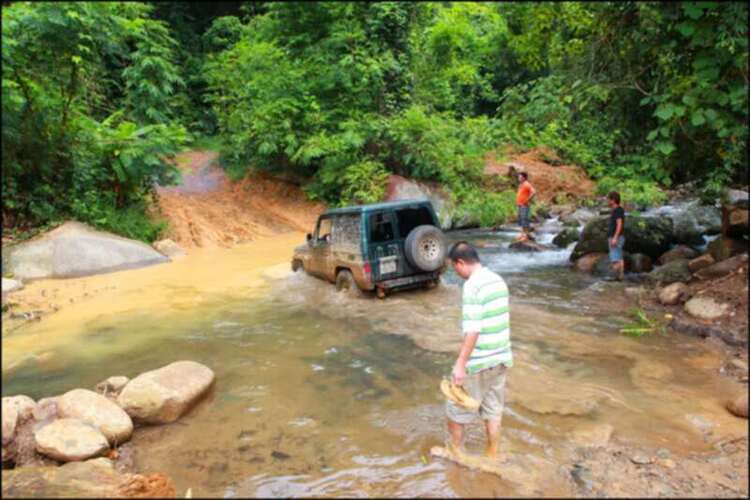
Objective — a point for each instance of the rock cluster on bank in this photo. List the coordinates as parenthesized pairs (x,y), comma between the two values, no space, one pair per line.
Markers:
(82,424)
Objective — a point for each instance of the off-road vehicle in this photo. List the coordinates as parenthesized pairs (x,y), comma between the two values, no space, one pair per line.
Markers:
(382,247)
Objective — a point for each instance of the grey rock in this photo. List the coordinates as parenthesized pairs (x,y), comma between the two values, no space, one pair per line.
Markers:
(648,235)
(674,271)
(95,409)
(722,268)
(706,308)
(678,252)
(70,440)
(724,247)
(738,406)
(580,216)
(639,263)
(75,249)
(9,285)
(691,223)
(640,458)
(565,237)
(699,263)
(112,386)
(675,293)
(169,248)
(400,188)
(163,395)
(737,198)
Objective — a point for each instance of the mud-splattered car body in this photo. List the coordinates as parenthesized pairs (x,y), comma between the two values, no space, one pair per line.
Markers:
(368,243)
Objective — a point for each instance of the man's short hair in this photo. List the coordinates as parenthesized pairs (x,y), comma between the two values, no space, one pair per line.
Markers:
(614,196)
(465,251)
(525,175)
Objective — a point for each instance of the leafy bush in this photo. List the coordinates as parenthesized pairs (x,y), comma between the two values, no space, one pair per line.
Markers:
(87,122)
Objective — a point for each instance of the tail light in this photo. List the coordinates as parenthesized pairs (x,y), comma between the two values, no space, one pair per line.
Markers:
(368,269)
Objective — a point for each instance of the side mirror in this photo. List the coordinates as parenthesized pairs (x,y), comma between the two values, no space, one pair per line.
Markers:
(309,237)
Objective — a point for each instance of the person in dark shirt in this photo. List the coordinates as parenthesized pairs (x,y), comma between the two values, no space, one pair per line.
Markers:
(616,234)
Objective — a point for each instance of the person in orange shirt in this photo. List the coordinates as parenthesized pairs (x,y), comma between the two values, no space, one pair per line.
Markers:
(524,196)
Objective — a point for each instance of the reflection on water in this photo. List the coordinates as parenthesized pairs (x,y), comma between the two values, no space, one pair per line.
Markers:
(318,394)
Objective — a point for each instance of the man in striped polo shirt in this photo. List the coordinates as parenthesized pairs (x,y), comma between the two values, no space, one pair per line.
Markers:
(485,352)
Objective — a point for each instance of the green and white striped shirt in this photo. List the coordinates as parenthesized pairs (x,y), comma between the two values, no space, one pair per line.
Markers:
(486,310)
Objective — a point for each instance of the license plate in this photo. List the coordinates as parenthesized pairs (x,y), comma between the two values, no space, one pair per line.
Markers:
(387,267)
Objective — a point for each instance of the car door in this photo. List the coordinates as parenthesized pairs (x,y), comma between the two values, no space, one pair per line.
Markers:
(383,245)
(321,247)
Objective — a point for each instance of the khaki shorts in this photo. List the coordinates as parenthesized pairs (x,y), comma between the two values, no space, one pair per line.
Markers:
(487,386)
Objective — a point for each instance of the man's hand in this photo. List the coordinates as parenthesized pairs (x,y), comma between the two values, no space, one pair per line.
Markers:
(459,373)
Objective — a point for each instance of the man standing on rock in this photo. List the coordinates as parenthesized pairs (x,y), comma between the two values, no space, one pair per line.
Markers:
(525,193)
(485,352)
(616,234)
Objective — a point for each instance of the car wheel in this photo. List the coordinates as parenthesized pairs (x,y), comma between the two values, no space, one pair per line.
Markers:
(425,248)
(345,283)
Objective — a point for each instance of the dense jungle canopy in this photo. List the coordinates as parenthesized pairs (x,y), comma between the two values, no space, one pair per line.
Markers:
(95,96)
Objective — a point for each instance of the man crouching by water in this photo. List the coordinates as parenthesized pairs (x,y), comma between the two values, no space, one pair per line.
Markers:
(485,353)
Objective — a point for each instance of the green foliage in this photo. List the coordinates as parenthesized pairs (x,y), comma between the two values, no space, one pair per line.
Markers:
(489,208)
(642,324)
(97,96)
(87,125)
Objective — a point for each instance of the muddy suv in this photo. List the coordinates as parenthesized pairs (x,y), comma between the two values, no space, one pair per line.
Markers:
(382,247)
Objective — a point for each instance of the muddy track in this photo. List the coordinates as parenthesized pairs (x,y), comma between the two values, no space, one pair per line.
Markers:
(207,209)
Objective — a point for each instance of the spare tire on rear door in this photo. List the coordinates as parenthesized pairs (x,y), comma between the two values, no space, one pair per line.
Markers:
(425,248)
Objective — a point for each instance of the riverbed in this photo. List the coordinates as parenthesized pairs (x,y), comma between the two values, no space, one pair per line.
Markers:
(320,394)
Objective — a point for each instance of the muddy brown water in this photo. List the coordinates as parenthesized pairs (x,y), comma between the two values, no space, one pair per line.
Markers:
(319,394)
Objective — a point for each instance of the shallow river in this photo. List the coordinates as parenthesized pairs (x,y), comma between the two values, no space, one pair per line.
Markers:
(320,394)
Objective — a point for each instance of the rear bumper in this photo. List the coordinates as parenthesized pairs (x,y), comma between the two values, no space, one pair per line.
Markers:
(407,281)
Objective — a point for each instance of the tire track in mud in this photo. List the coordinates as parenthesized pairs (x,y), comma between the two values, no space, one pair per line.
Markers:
(206,209)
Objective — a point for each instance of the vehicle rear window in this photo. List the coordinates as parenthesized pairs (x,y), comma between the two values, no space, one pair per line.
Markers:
(346,231)
(381,228)
(409,218)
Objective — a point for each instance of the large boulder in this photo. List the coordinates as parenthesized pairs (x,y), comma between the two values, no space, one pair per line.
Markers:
(678,252)
(648,235)
(588,262)
(735,222)
(70,440)
(15,411)
(674,271)
(706,308)
(9,285)
(673,294)
(565,237)
(400,188)
(75,249)
(163,395)
(638,263)
(95,409)
(724,247)
(722,268)
(699,263)
(95,478)
(737,198)
(579,217)
(693,221)
(738,406)
(169,248)
(112,386)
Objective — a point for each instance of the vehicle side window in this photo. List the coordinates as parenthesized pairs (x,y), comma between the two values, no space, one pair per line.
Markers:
(381,228)
(409,218)
(324,230)
(346,231)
